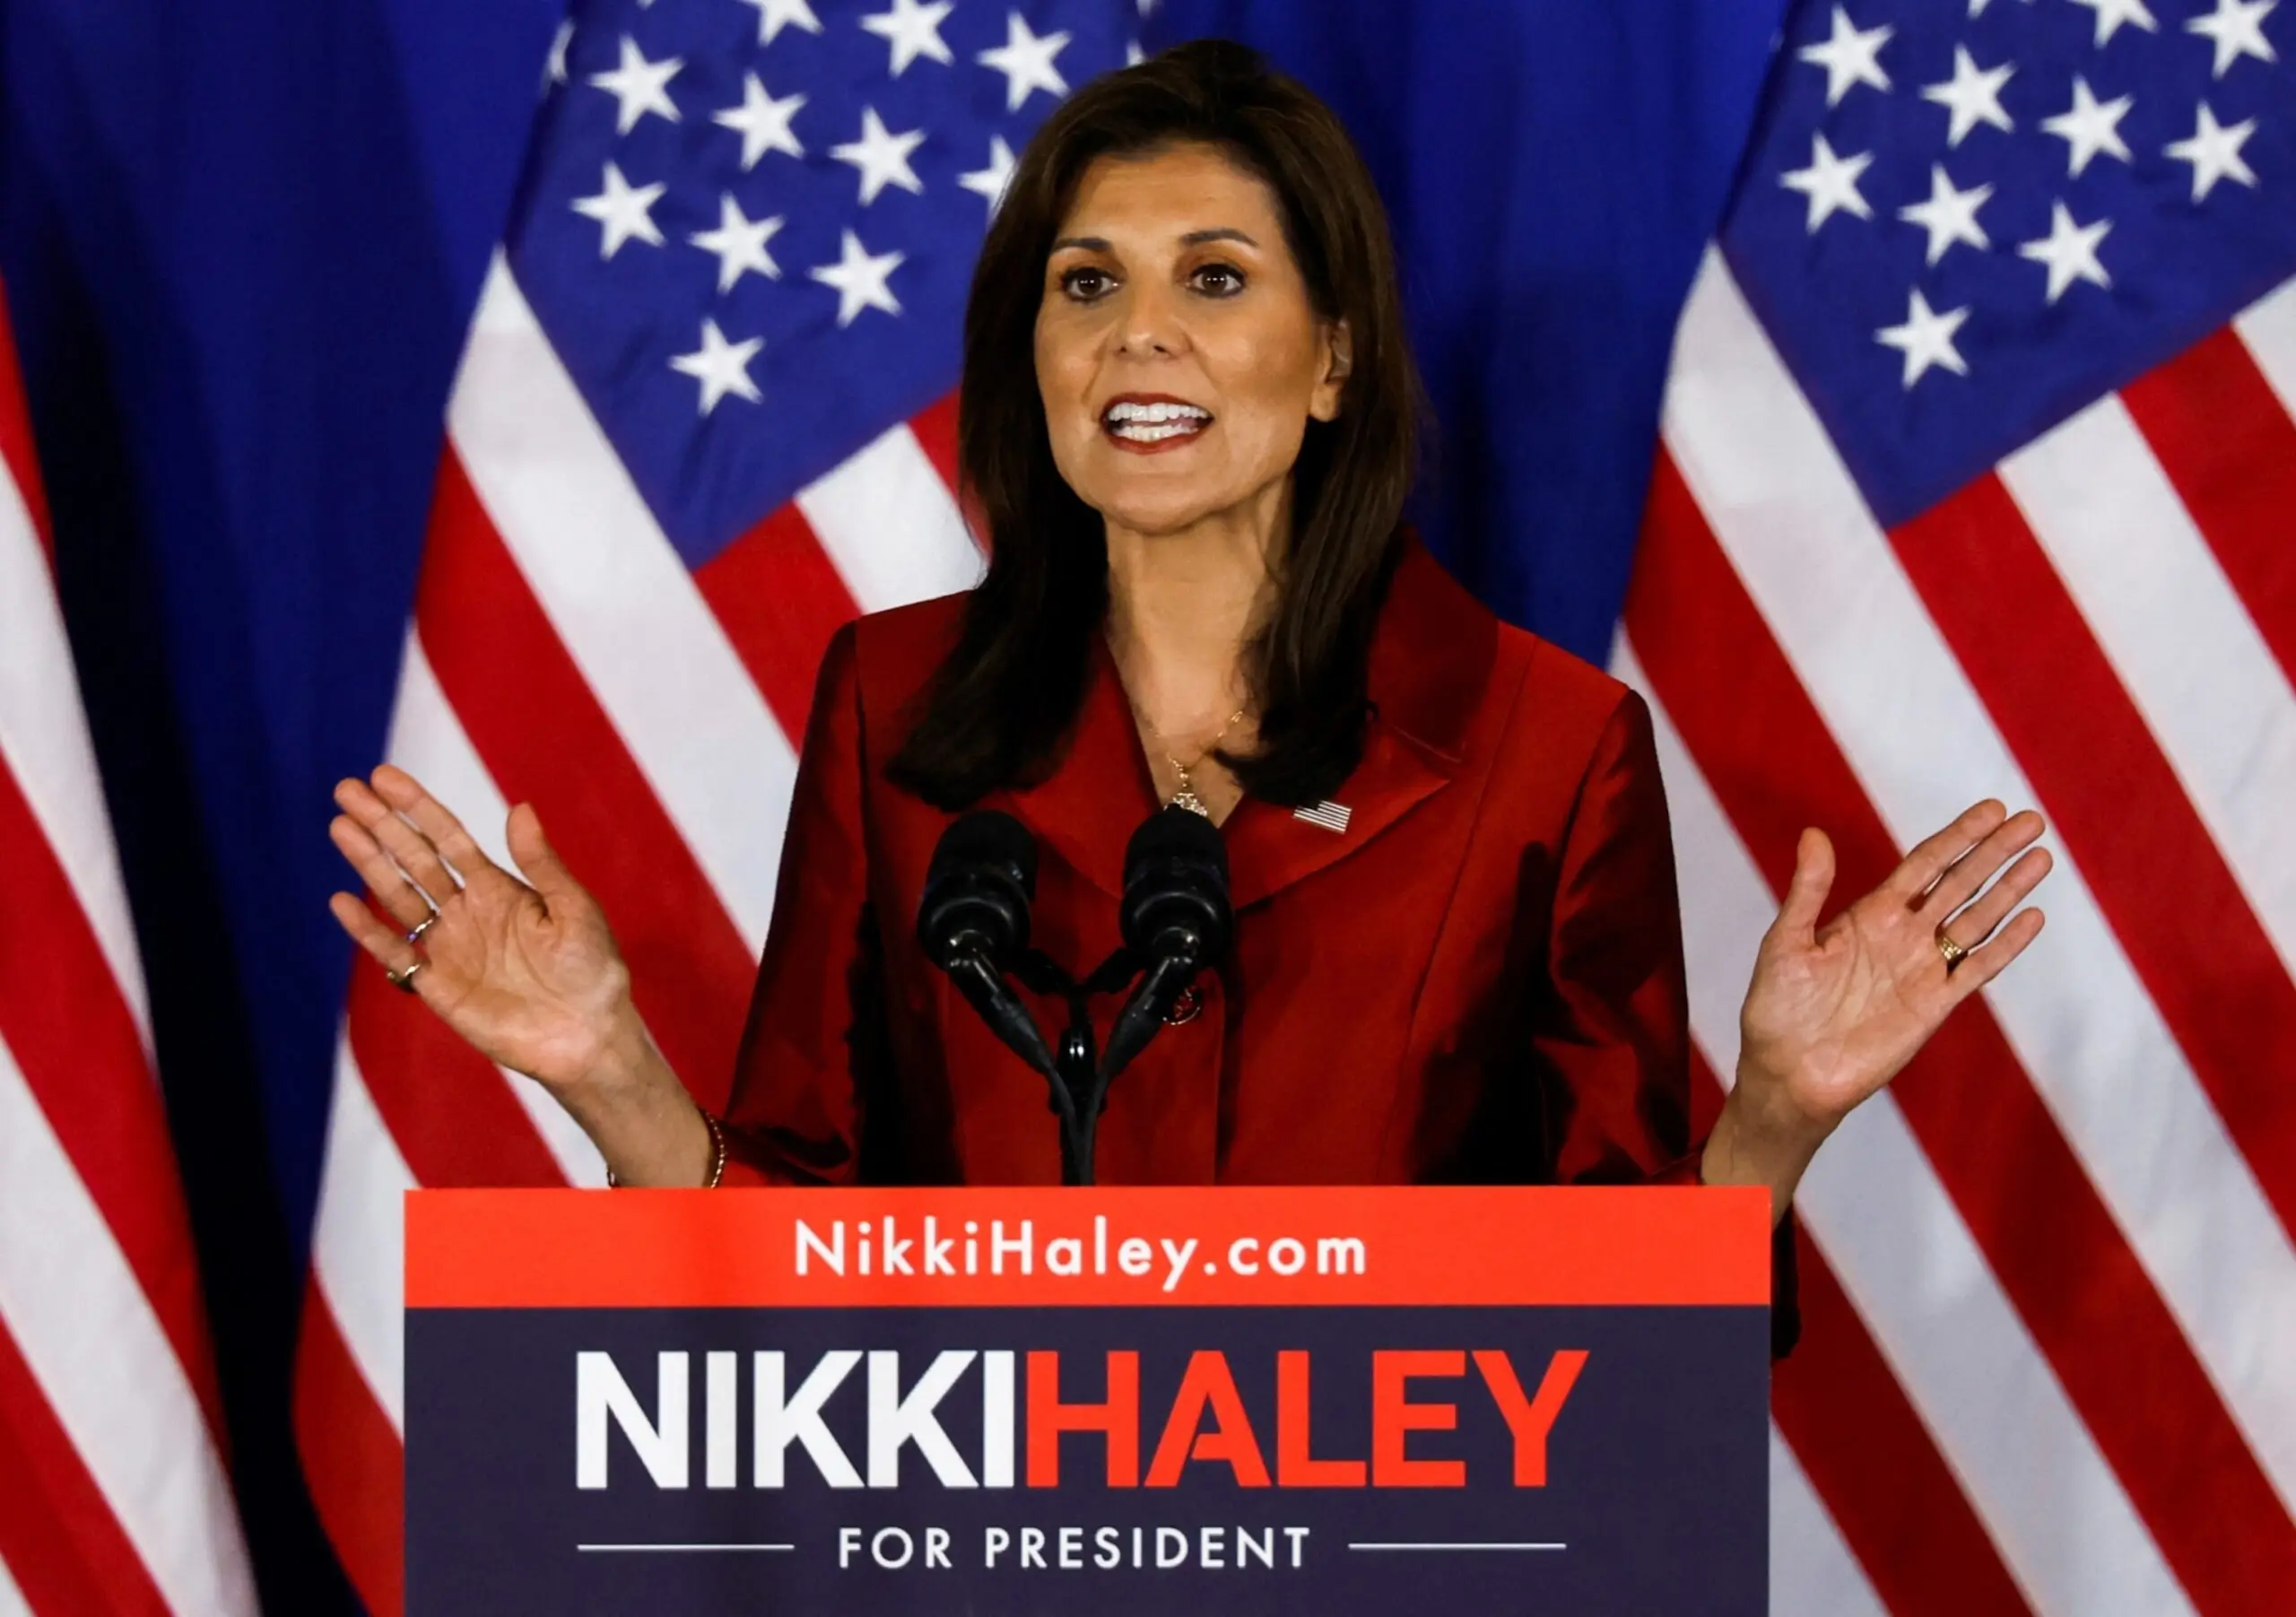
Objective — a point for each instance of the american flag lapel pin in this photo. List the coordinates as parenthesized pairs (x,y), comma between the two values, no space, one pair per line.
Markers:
(1332,816)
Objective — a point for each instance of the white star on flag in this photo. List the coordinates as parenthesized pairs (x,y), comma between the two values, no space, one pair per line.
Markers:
(763,123)
(2213,151)
(990,182)
(1830,183)
(1972,96)
(774,15)
(624,211)
(739,243)
(641,86)
(2112,14)
(720,367)
(1025,60)
(1850,57)
(1926,339)
(880,156)
(1950,216)
(912,30)
(861,281)
(2090,127)
(2236,27)
(2069,251)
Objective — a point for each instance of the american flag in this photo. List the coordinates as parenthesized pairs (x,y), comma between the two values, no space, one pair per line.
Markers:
(110,1419)
(1978,478)
(703,419)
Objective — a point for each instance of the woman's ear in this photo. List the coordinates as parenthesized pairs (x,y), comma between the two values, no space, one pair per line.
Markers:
(1339,362)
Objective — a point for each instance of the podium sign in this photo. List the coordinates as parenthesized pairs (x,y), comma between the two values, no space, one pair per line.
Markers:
(830,1403)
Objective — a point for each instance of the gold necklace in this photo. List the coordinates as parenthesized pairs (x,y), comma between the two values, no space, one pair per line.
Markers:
(1184,795)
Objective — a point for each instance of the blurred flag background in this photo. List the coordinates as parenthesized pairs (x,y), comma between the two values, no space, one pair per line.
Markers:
(524,394)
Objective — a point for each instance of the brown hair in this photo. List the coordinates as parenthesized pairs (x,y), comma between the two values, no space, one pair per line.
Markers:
(999,710)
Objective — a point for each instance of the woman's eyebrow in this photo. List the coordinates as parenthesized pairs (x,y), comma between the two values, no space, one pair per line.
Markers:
(1089,244)
(1218,233)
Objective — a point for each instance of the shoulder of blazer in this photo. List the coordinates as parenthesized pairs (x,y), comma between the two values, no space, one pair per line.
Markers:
(895,652)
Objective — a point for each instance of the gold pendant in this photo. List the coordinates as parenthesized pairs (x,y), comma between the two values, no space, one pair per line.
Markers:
(1186,798)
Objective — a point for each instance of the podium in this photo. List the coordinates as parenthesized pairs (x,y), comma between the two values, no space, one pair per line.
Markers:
(1121,1401)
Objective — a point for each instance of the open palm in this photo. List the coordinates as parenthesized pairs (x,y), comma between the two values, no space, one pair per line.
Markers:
(1836,1011)
(527,971)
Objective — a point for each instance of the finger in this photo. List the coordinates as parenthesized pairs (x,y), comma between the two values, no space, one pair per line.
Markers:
(1974,924)
(1975,868)
(404,793)
(1983,965)
(408,847)
(1935,854)
(1805,894)
(388,949)
(406,901)
(537,861)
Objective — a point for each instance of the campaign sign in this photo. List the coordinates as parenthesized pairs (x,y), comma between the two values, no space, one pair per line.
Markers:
(1131,1403)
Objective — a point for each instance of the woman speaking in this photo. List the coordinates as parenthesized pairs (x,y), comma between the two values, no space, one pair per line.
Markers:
(1187,427)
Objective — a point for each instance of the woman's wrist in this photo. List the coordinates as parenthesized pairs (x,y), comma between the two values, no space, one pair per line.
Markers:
(1755,1142)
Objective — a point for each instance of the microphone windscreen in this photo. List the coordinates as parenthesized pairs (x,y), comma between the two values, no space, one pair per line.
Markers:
(977,889)
(1176,836)
(1176,887)
(988,836)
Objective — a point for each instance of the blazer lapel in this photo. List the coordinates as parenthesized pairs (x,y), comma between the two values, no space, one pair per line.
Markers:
(1432,656)
(1090,806)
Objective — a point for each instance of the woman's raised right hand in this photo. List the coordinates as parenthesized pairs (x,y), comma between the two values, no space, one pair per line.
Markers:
(528,971)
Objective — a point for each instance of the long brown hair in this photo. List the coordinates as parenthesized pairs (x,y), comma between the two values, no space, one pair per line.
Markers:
(998,711)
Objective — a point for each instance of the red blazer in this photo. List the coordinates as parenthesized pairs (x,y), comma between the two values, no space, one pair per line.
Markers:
(1480,979)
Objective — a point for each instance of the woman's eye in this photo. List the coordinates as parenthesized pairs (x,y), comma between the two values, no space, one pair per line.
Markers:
(1218,280)
(1085,284)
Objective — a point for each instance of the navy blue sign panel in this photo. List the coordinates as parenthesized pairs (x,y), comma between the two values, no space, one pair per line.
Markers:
(1095,1418)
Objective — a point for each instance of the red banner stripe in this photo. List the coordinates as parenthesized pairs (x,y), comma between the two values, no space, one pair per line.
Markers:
(2229,449)
(352,1460)
(59,1538)
(1870,1457)
(780,600)
(76,1041)
(2164,887)
(543,737)
(2049,1238)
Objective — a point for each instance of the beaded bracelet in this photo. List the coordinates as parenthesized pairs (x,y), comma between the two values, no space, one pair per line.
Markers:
(717,1153)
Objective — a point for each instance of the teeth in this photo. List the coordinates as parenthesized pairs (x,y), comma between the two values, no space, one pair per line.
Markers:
(1128,412)
(1146,432)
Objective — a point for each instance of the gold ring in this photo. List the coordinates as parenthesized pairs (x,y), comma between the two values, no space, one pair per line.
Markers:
(403,981)
(1953,952)
(415,936)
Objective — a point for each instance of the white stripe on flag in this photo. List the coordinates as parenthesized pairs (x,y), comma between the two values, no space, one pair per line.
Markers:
(108,1371)
(44,740)
(622,603)
(2269,330)
(1792,524)
(429,743)
(11,1598)
(890,527)
(2066,1530)
(359,1242)
(2173,627)
(1812,1572)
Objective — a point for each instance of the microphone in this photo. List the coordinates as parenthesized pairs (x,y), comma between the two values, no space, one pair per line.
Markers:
(973,921)
(1176,920)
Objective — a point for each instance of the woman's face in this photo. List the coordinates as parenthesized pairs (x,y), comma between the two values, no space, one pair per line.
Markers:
(1177,353)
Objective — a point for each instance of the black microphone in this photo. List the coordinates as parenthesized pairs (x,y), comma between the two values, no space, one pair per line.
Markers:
(1176,919)
(973,921)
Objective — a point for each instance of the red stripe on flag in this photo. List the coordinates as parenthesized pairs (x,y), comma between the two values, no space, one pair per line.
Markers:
(543,737)
(62,1544)
(2229,449)
(352,1460)
(16,451)
(72,1035)
(779,599)
(1870,1457)
(2049,1238)
(2157,875)
(450,1109)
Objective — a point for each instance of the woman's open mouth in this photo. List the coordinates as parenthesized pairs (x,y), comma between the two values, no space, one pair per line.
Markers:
(1144,424)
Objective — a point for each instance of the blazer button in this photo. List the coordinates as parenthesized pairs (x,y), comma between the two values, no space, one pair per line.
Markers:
(1187,1008)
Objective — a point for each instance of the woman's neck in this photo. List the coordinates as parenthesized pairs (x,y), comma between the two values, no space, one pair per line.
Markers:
(1181,607)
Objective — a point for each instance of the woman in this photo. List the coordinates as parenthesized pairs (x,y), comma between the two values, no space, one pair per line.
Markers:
(1188,426)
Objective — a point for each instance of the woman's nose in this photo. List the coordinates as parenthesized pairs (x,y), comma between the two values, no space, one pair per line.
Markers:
(1150,325)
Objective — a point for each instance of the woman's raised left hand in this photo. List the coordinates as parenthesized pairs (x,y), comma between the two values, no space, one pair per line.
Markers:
(1836,1011)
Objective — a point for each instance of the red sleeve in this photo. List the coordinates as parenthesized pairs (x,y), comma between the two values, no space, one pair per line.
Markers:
(795,1117)
(1613,1029)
